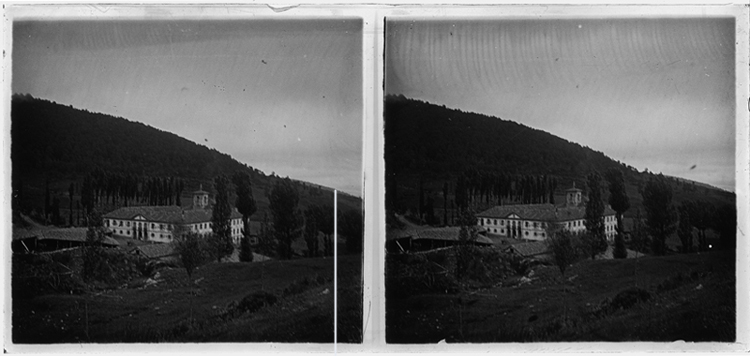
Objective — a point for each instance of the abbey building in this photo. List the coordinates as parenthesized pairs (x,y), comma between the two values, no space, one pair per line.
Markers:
(529,221)
(157,223)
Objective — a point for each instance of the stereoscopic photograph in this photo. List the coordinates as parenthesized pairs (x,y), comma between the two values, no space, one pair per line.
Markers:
(560,179)
(174,180)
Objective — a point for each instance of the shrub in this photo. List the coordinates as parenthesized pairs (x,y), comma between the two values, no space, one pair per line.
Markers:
(411,274)
(623,300)
(519,264)
(629,297)
(253,302)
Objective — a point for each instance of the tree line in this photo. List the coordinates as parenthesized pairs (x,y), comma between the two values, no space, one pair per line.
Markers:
(286,224)
(478,189)
(119,189)
(650,231)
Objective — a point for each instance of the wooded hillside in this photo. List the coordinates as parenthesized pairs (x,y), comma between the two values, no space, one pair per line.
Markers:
(438,158)
(54,147)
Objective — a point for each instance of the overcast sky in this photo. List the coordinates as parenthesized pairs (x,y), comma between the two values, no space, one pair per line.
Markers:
(283,96)
(652,93)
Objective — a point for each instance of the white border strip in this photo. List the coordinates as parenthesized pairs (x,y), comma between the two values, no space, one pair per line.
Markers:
(335,270)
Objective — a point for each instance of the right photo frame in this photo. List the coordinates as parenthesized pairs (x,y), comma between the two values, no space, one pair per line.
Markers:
(561,179)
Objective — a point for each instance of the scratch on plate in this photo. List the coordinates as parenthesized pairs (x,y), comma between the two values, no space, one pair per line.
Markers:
(102,9)
(281,8)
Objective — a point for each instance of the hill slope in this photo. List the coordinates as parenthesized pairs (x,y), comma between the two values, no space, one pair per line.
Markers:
(59,145)
(428,146)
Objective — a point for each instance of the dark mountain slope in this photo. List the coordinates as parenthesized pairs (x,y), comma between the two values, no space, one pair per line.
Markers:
(60,145)
(429,146)
(60,141)
(440,139)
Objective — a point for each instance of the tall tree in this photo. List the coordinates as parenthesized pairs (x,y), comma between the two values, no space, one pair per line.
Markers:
(685,228)
(595,238)
(287,222)
(639,240)
(47,203)
(56,219)
(352,227)
(71,190)
(561,247)
(445,203)
(191,248)
(221,239)
(246,250)
(421,207)
(267,244)
(93,259)
(87,194)
(660,214)
(324,222)
(245,204)
(311,231)
(618,200)
(701,216)
(725,223)
(460,194)
(468,233)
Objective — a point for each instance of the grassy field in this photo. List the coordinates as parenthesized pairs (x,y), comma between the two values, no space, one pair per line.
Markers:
(272,301)
(679,297)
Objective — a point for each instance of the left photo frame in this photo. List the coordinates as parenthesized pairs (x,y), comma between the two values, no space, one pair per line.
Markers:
(173,174)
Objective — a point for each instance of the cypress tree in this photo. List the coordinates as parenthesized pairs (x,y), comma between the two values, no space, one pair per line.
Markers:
(221,239)
(245,204)
(595,238)
(660,214)
(619,201)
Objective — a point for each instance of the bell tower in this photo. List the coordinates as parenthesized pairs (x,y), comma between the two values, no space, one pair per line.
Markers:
(573,196)
(200,198)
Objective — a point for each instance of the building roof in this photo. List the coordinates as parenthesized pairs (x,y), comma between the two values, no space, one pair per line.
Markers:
(21,233)
(156,250)
(540,212)
(439,233)
(168,214)
(200,191)
(528,249)
(77,234)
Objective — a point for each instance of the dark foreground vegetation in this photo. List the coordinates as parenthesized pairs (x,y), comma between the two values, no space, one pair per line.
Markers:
(687,297)
(133,301)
